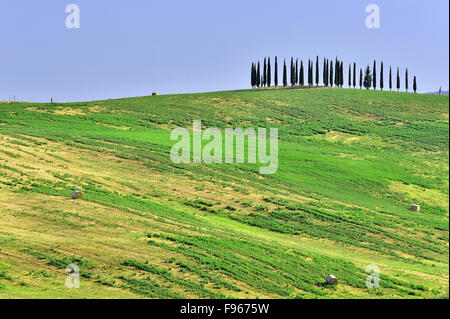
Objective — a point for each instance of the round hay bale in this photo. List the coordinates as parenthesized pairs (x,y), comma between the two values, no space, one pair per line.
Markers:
(332,280)
(415,208)
(77,195)
(155,93)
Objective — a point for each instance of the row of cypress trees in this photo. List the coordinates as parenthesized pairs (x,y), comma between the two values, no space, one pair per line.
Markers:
(332,75)
(370,79)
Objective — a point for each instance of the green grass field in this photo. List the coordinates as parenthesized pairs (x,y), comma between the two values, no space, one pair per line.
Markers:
(351,162)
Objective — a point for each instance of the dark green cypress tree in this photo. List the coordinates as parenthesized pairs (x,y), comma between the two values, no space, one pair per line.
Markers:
(360,78)
(317,70)
(284,74)
(253,75)
(415,84)
(328,72)
(302,74)
(331,74)
(382,76)
(324,72)
(374,74)
(336,72)
(276,71)
(258,76)
(367,78)
(406,80)
(354,75)
(292,72)
(264,81)
(337,76)
(390,78)
(309,72)
(269,73)
(398,79)
(341,74)
(296,71)
(349,75)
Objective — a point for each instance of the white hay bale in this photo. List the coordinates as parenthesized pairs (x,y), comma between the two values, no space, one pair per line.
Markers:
(332,280)
(77,195)
(415,208)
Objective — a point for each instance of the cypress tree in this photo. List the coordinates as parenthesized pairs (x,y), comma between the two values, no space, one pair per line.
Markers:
(324,72)
(374,75)
(354,75)
(253,75)
(415,84)
(296,71)
(264,81)
(382,76)
(333,71)
(317,70)
(336,72)
(302,74)
(406,80)
(258,76)
(276,71)
(269,73)
(360,78)
(309,72)
(398,79)
(328,72)
(292,72)
(349,75)
(294,78)
(331,74)
(367,78)
(390,78)
(341,74)
(284,74)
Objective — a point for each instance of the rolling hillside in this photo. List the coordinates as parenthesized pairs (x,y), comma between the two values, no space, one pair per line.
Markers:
(351,162)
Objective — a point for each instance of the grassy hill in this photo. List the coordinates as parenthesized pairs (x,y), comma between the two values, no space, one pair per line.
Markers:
(351,162)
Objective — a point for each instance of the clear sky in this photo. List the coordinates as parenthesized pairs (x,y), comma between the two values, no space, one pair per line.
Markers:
(134,47)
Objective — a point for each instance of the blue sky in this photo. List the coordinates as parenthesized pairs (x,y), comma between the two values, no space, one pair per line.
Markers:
(135,47)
